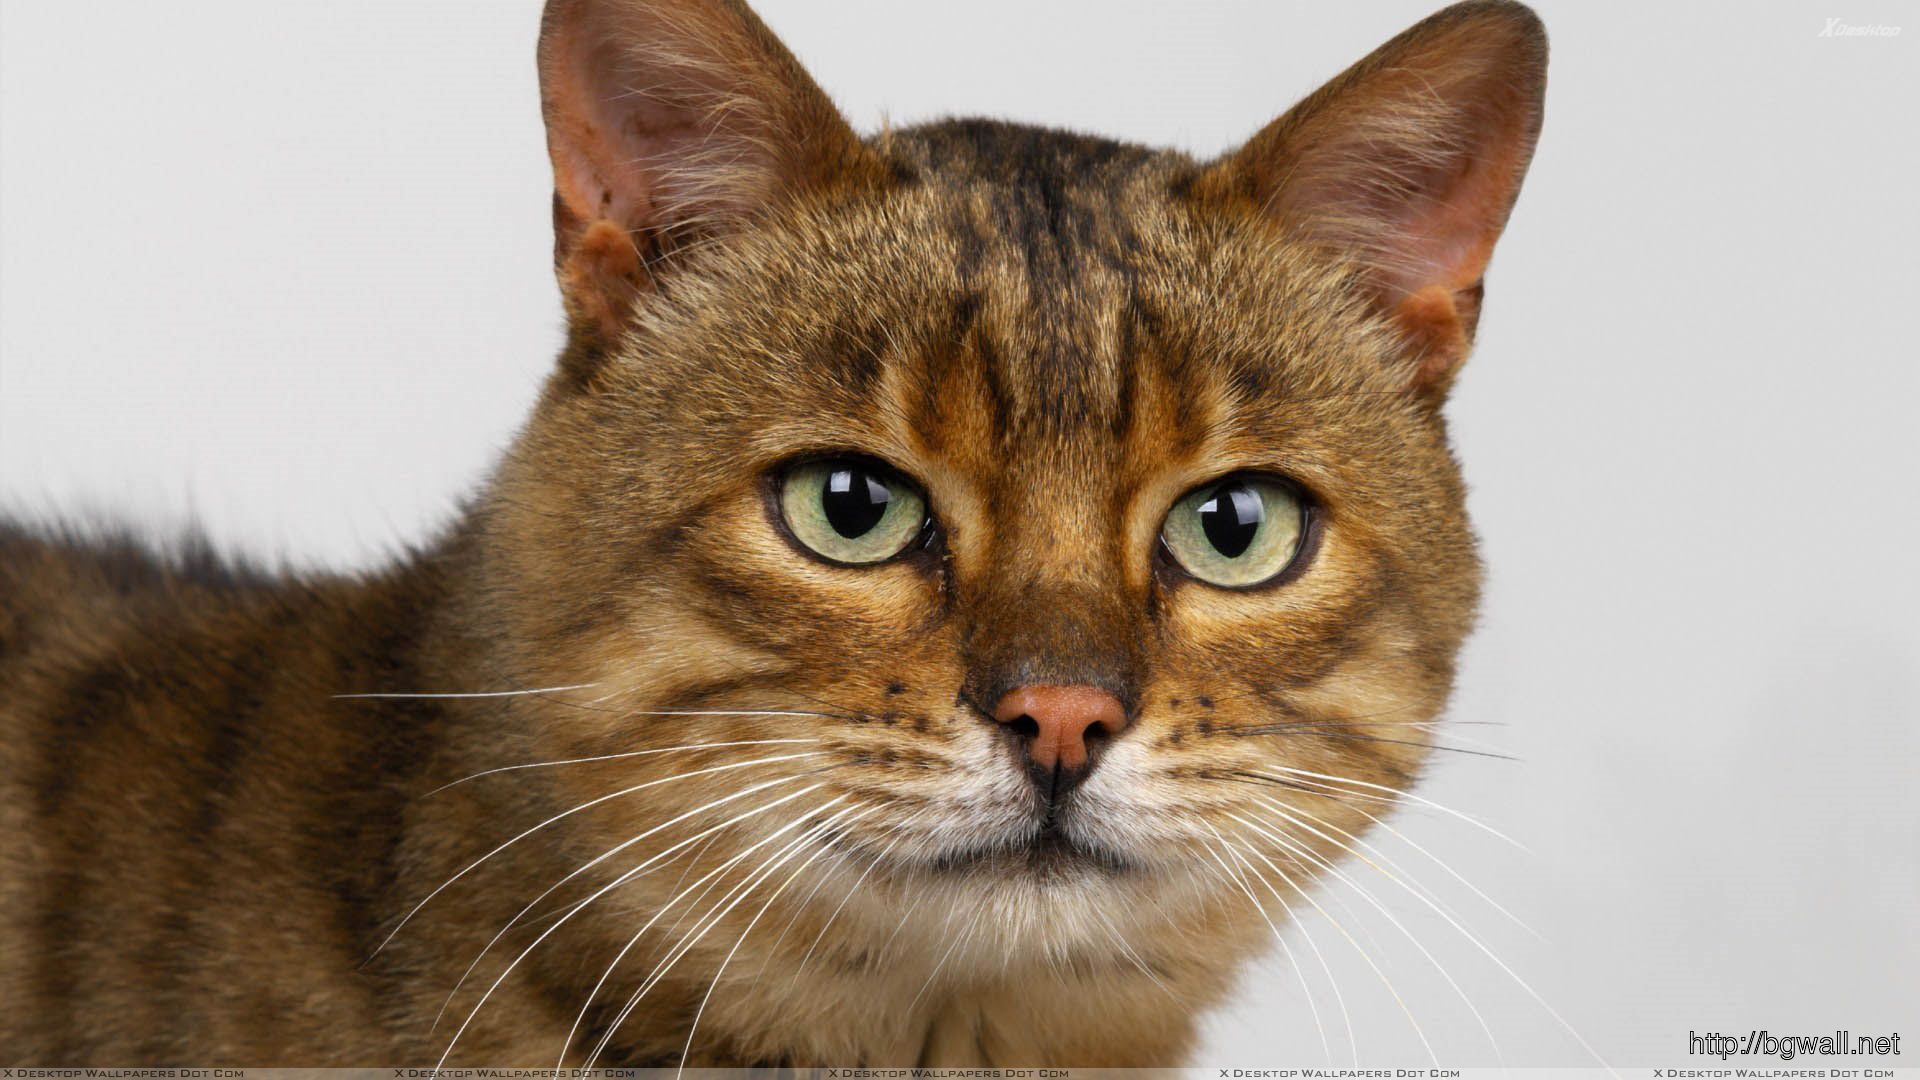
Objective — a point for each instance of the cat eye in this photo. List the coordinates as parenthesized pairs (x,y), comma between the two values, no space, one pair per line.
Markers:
(851,510)
(1238,531)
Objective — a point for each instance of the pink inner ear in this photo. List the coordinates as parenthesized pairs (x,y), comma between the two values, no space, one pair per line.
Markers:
(1412,178)
(1407,164)
(610,139)
(1436,255)
(671,117)
(1432,261)
(1422,230)
(670,121)
(1445,236)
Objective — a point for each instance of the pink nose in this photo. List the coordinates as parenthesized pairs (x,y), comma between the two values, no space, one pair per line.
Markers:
(1059,720)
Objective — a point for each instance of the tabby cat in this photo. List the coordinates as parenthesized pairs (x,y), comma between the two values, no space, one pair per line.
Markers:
(956,587)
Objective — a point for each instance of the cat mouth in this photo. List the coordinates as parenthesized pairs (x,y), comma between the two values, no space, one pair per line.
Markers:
(1051,852)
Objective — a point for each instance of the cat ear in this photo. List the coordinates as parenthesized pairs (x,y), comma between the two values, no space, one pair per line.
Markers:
(1408,164)
(670,121)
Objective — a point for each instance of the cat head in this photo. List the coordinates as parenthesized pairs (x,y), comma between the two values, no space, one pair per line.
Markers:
(1063,520)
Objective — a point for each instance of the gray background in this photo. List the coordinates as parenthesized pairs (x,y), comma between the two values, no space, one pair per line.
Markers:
(283,268)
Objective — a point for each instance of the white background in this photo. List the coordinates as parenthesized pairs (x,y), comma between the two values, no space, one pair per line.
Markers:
(284,268)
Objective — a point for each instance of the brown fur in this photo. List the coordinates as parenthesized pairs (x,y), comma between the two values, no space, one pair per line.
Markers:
(204,846)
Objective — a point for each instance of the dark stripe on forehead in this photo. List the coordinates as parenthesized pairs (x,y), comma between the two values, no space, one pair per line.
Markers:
(1130,360)
(1045,302)
(1042,223)
(970,245)
(993,379)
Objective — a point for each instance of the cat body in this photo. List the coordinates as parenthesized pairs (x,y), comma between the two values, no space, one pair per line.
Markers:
(654,757)
(177,704)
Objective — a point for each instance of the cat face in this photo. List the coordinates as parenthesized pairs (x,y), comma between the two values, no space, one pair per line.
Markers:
(855,444)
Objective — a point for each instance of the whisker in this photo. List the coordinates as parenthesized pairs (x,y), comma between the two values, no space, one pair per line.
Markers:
(613,757)
(1292,813)
(1328,866)
(562,921)
(692,855)
(1455,874)
(1310,873)
(1293,963)
(1346,1018)
(399,694)
(1379,972)
(942,962)
(913,905)
(1342,722)
(1127,950)
(609,854)
(1449,811)
(1324,731)
(1365,956)
(819,830)
(701,926)
(799,909)
(683,894)
(1511,974)
(1306,787)
(567,813)
(857,882)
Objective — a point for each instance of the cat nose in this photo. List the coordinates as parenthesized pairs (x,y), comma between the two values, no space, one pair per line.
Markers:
(1054,725)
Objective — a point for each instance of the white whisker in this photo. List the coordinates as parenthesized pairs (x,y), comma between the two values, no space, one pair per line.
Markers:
(942,962)
(614,757)
(701,926)
(799,909)
(1365,956)
(567,813)
(851,889)
(1346,1018)
(1510,973)
(562,921)
(1435,859)
(815,833)
(1475,822)
(615,850)
(1354,846)
(1292,962)
(399,694)
(1328,866)
(1132,956)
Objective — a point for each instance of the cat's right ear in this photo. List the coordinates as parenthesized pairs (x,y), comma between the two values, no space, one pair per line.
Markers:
(669,122)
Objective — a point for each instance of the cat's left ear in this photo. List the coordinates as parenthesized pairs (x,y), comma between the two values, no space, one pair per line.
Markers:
(1408,164)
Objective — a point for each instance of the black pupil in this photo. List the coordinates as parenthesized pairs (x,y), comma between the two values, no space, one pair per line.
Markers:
(854,501)
(1232,517)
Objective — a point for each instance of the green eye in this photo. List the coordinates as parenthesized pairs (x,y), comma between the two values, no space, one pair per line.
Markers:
(847,510)
(1236,532)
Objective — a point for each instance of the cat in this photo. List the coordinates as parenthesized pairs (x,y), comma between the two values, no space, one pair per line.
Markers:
(955,590)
